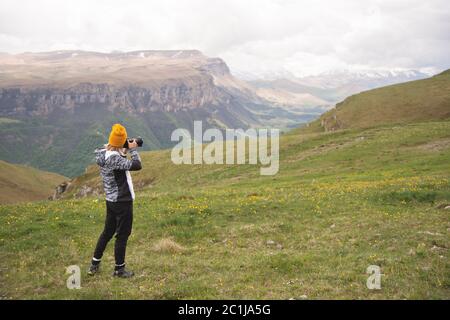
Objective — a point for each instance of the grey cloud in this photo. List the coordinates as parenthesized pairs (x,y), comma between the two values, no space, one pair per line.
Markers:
(260,36)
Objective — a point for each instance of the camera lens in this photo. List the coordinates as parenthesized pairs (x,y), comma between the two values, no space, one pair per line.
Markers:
(139,142)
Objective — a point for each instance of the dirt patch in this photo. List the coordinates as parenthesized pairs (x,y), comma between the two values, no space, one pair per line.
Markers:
(435,145)
(325,148)
(140,184)
(184,197)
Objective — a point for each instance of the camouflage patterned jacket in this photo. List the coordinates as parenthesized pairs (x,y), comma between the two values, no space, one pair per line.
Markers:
(115,172)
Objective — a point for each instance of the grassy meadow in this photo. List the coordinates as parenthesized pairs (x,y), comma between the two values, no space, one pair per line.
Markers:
(341,201)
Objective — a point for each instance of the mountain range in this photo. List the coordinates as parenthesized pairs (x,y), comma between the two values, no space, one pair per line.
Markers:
(326,89)
(400,104)
(57,106)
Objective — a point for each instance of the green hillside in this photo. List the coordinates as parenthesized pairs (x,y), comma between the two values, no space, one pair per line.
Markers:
(20,183)
(419,100)
(341,201)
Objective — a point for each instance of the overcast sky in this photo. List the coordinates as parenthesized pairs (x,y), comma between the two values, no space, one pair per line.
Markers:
(254,36)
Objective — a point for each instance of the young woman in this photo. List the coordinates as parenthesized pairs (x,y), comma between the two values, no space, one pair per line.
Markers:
(115,171)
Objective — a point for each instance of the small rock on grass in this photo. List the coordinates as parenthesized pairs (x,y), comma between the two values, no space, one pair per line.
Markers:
(444,206)
(273,243)
(430,233)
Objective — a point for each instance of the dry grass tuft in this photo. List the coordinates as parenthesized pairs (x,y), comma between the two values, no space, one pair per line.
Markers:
(167,245)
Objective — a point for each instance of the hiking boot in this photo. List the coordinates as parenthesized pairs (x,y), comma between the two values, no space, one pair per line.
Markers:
(93,269)
(122,273)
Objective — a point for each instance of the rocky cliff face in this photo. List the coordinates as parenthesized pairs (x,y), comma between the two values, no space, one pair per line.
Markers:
(170,97)
(134,83)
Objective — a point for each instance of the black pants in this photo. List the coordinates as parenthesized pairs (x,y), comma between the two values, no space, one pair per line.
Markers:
(119,220)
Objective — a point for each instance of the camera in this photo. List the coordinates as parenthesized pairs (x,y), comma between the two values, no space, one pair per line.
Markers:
(138,140)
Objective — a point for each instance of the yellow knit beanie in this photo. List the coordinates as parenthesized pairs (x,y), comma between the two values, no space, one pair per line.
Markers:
(118,136)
